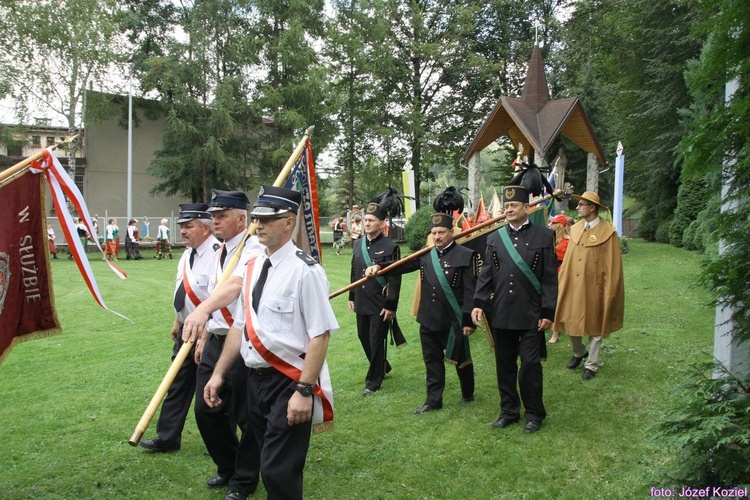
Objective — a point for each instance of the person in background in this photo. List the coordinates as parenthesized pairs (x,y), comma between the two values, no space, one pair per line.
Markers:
(111,240)
(355,231)
(559,224)
(338,227)
(131,241)
(51,240)
(163,245)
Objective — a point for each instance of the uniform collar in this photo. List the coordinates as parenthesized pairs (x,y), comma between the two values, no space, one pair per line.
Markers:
(209,243)
(282,253)
(371,241)
(524,226)
(446,249)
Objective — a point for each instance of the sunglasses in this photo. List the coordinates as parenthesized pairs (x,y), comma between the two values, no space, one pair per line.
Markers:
(259,219)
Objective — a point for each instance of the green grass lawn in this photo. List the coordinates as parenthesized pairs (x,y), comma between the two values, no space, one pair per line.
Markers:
(69,403)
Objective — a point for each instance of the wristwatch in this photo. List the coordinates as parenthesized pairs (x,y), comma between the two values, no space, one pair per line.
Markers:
(305,389)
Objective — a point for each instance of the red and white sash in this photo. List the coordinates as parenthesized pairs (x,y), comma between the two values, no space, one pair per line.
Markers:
(289,363)
(217,275)
(191,285)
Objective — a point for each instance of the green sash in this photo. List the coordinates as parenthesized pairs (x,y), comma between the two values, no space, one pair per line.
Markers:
(456,331)
(518,260)
(368,262)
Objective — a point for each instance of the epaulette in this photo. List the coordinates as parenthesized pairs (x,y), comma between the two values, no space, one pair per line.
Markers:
(307,258)
(216,246)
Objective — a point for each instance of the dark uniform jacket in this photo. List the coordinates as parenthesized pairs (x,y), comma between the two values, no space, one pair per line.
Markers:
(460,265)
(505,293)
(369,298)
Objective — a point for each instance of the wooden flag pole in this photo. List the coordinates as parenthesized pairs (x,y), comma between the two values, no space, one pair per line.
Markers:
(424,250)
(24,164)
(182,354)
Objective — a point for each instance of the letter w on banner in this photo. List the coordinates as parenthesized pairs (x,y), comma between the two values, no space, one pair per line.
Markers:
(27,302)
(302,178)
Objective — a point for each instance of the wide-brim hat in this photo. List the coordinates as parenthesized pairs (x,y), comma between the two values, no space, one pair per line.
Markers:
(227,200)
(274,200)
(191,211)
(591,197)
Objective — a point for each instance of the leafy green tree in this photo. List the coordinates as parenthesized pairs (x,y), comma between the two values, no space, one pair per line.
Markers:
(708,426)
(54,51)
(429,75)
(213,136)
(292,86)
(349,50)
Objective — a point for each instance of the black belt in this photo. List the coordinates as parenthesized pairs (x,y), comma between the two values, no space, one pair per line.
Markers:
(220,338)
(268,370)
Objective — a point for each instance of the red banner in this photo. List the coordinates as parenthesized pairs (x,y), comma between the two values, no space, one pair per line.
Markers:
(26,298)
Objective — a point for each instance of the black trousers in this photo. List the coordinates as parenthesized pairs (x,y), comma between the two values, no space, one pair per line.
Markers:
(238,459)
(179,396)
(373,335)
(433,353)
(283,448)
(509,346)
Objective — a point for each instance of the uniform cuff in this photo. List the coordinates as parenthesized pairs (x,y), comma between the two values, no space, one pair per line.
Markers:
(548,314)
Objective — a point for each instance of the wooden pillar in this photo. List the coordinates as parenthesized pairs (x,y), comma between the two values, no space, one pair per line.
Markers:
(730,353)
(592,173)
(473,181)
(560,163)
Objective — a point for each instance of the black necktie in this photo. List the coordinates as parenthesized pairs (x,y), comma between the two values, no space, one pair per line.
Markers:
(179,296)
(223,255)
(258,288)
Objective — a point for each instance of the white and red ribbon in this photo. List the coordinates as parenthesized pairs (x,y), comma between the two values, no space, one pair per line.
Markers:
(61,185)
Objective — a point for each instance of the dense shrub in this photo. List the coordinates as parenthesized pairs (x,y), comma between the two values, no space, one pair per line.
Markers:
(709,429)
(662,232)
(688,237)
(417,228)
(691,198)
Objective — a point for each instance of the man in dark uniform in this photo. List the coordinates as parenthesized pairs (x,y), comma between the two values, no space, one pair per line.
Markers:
(448,275)
(191,288)
(374,302)
(517,288)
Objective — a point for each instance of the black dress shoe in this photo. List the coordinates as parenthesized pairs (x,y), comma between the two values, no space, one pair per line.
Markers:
(367,391)
(235,495)
(217,481)
(575,361)
(425,408)
(158,446)
(503,422)
(532,426)
(467,400)
(588,374)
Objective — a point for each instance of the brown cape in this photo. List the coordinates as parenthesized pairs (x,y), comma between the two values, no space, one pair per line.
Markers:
(591,298)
